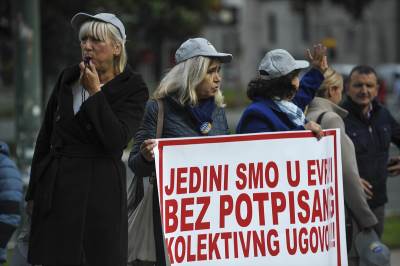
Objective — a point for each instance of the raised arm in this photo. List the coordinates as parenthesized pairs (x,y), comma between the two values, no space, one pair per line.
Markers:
(311,81)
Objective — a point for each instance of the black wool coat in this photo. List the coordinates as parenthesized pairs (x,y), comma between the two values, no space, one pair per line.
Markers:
(78,182)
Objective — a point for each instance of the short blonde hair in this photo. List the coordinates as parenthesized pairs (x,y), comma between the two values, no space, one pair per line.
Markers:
(332,78)
(183,80)
(105,31)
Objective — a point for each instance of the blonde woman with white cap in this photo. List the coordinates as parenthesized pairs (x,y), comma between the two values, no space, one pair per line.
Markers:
(77,188)
(193,106)
(279,97)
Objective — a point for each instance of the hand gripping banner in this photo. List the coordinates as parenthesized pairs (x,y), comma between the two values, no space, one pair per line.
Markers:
(254,199)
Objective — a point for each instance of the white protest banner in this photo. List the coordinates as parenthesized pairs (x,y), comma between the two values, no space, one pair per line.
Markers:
(257,199)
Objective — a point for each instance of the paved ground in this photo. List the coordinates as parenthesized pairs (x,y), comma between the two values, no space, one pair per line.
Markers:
(395,257)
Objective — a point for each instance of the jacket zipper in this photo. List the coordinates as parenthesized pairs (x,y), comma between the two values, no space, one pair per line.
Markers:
(371,134)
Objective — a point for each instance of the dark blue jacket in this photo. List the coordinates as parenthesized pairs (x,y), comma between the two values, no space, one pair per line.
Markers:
(10,198)
(371,138)
(178,123)
(263,115)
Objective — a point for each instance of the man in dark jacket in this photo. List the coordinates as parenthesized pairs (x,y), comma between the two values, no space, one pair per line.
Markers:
(372,128)
(10,199)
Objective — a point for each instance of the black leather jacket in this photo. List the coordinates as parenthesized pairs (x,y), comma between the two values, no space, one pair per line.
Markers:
(372,138)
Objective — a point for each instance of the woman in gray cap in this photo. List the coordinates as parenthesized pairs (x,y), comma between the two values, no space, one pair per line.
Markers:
(77,189)
(193,106)
(279,97)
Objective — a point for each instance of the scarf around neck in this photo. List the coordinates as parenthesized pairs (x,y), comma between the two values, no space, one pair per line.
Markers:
(202,114)
(294,113)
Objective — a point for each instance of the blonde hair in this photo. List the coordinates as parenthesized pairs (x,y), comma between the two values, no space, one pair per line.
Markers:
(332,78)
(105,31)
(183,80)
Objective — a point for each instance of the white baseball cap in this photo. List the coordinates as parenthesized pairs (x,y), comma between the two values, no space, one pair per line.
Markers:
(80,18)
(199,47)
(278,63)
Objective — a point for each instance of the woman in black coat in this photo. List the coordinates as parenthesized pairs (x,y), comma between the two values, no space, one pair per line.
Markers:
(77,187)
(193,106)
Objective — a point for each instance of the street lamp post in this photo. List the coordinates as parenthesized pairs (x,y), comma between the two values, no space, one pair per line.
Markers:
(27,79)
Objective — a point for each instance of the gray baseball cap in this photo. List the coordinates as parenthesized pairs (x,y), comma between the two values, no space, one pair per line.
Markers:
(278,63)
(371,250)
(199,47)
(80,18)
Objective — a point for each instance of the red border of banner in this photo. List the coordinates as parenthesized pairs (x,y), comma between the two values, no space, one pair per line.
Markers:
(249,137)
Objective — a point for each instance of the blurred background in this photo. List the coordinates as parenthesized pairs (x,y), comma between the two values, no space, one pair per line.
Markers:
(37,42)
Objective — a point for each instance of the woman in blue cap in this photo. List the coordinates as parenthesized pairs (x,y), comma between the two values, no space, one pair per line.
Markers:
(77,188)
(193,106)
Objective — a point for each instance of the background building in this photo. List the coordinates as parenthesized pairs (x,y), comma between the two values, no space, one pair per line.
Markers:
(370,37)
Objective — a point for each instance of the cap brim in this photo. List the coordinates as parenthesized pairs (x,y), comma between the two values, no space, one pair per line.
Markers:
(301,64)
(79,19)
(222,57)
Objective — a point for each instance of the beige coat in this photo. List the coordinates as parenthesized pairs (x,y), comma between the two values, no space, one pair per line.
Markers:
(354,195)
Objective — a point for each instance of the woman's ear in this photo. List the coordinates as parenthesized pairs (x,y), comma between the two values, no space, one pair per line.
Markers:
(335,88)
(117,49)
(332,90)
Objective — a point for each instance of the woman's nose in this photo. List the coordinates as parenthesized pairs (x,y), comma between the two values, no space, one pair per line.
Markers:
(217,77)
(86,44)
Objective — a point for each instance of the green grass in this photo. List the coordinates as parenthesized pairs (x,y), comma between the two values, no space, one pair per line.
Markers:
(391,234)
(235,98)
